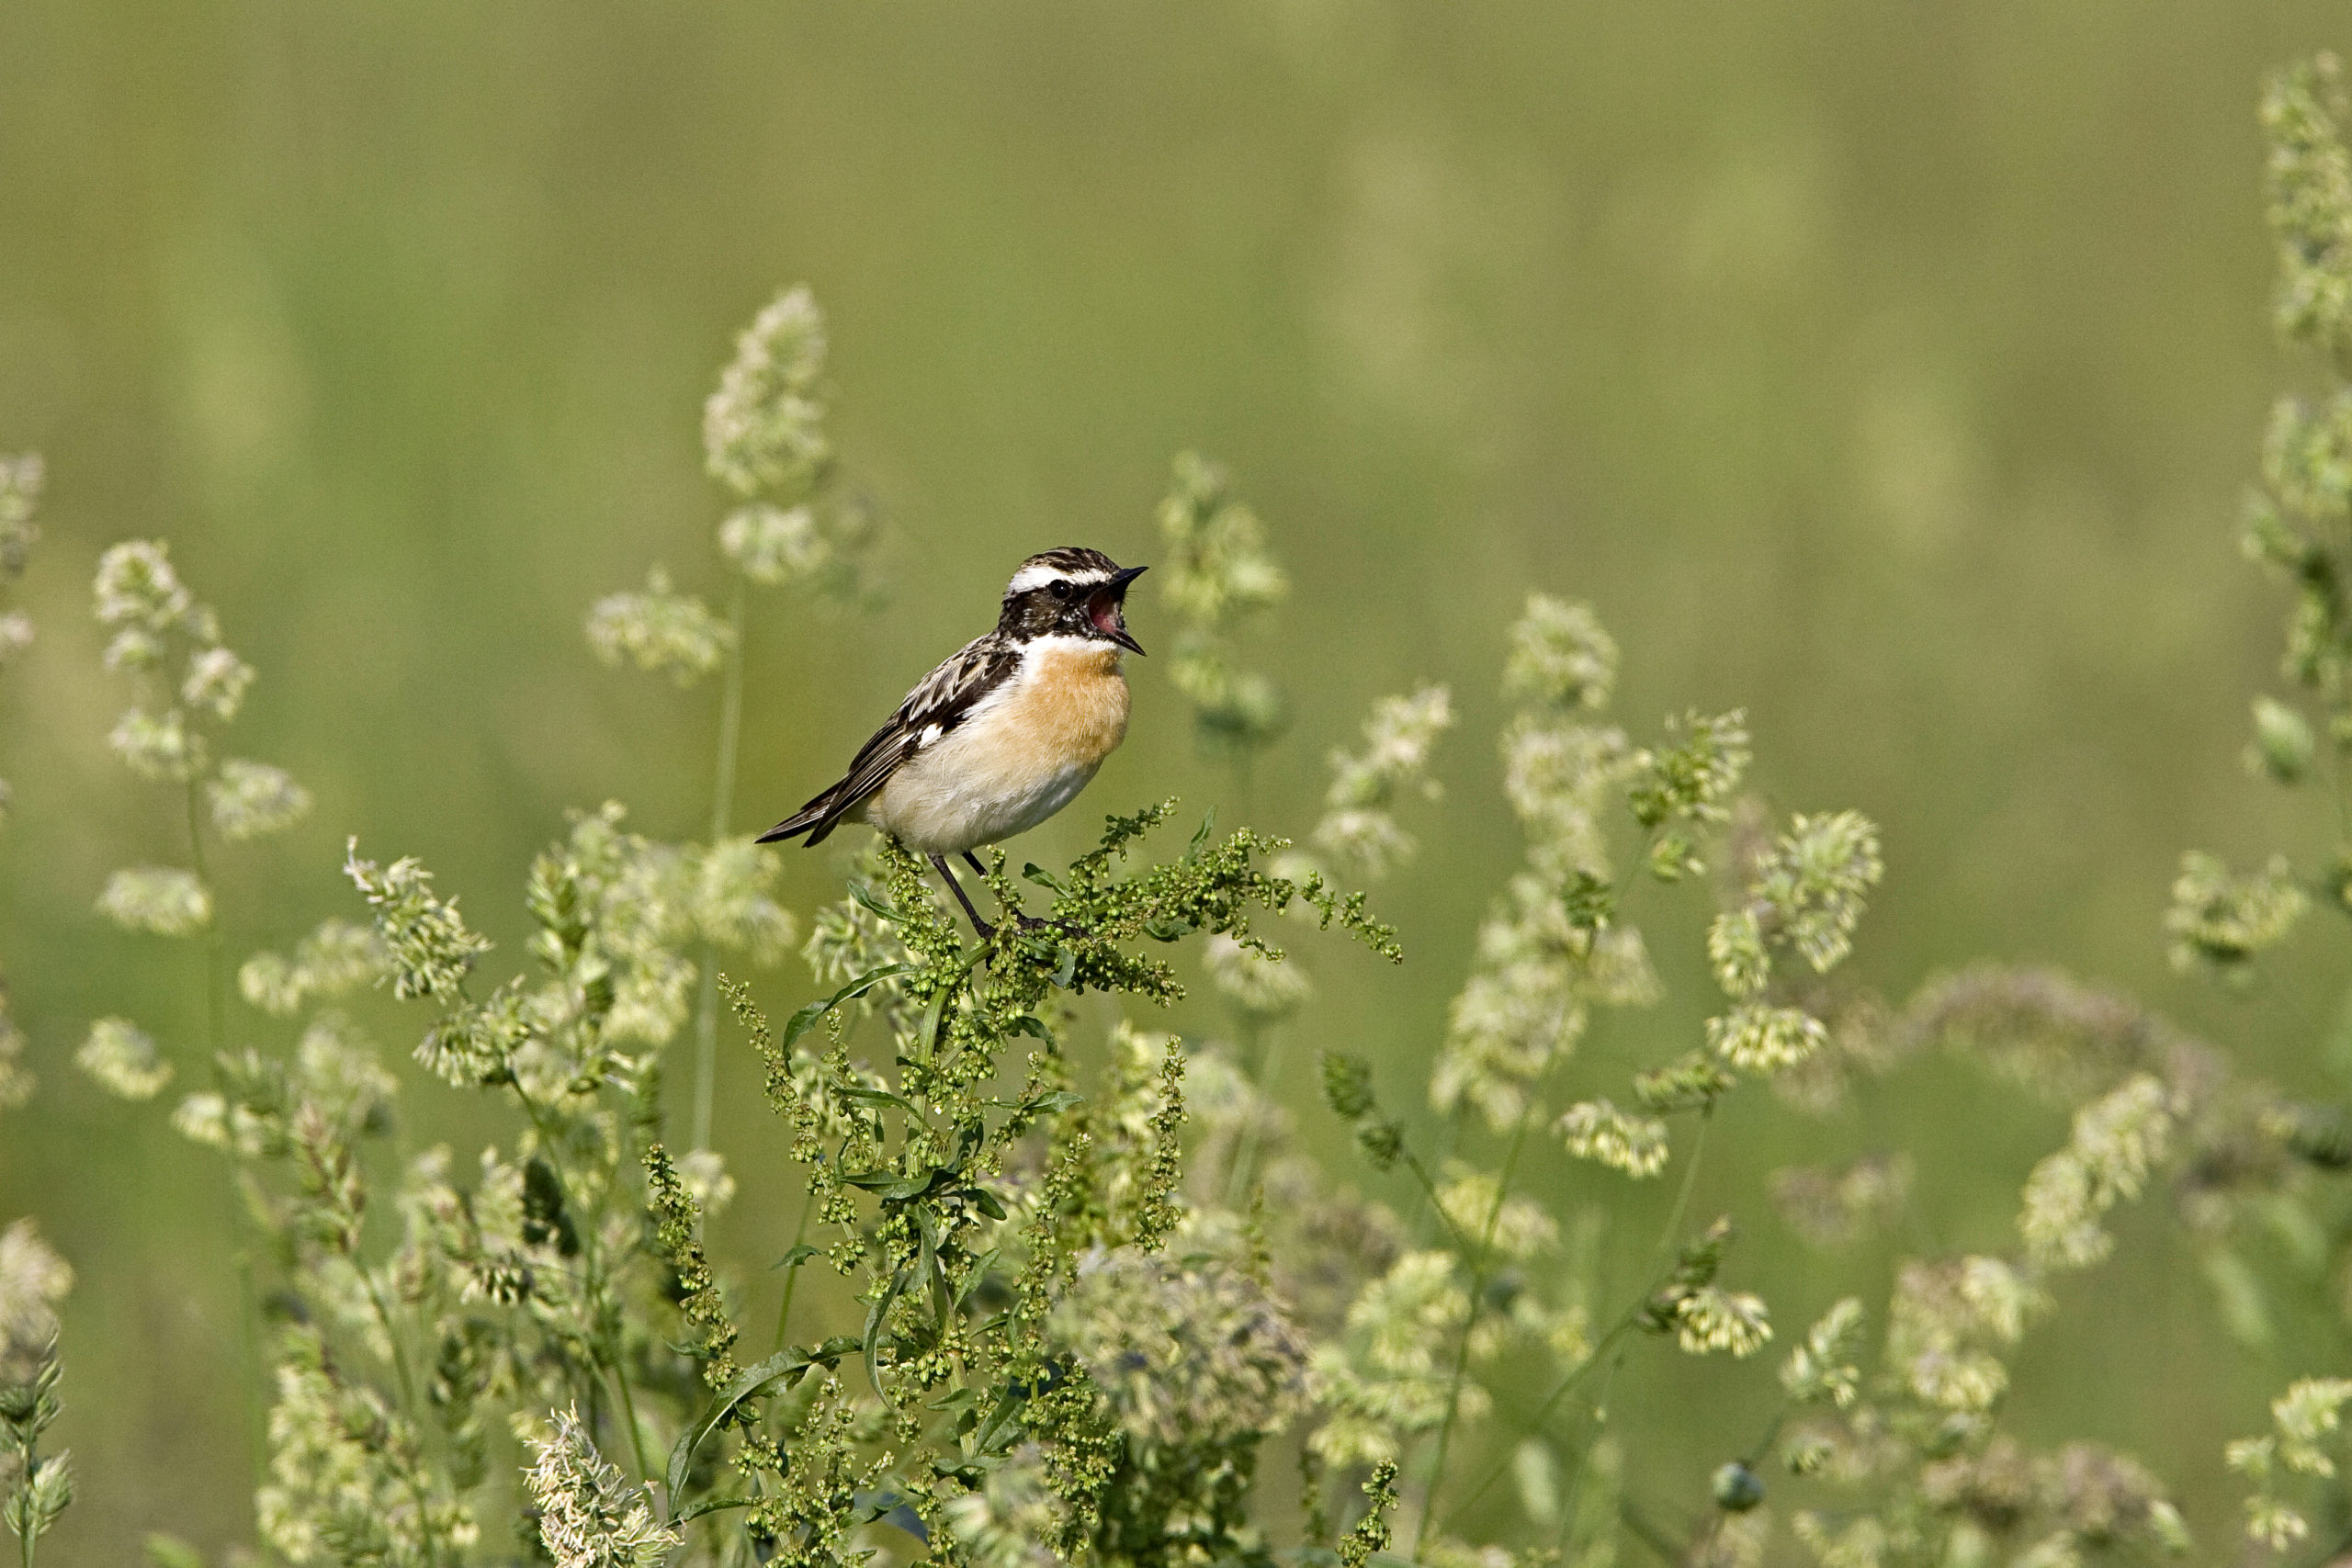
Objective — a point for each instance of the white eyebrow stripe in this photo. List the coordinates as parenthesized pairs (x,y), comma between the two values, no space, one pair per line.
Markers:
(1030,577)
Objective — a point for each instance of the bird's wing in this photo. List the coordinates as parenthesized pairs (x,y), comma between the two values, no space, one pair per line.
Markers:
(940,701)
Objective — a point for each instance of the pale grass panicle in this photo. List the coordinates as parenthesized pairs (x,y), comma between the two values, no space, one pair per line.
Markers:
(216,683)
(1476,1202)
(1815,882)
(1359,830)
(1218,566)
(1823,1370)
(823,546)
(1597,1130)
(124,1059)
(2224,919)
(164,900)
(1263,986)
(589,1516)
(250,799)
(430,948)
(35,1489)
(658,628)
(1759,1039)
(2305,1423)
(2118,1140)
(161,746)
(337,957)
(762,429)
(2283,745)
(21,477)
(1183,1354)
(2305,111)
(1216,573)
(17,1081)
(1709,1319)
(34,1282)
(1833,1208)
(1383,1385)
(1561,656)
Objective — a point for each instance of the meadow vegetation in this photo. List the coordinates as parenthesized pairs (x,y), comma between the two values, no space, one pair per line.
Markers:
(1060,1291)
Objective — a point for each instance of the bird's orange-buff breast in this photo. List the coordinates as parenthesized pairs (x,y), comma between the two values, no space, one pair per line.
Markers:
(1073,711)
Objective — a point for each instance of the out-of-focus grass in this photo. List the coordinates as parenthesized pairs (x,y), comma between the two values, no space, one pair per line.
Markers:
(1893,371)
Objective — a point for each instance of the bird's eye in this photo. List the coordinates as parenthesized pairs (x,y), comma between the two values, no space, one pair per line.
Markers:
(1061,590)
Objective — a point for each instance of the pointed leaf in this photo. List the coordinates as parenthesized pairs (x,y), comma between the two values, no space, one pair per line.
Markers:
(804,1021)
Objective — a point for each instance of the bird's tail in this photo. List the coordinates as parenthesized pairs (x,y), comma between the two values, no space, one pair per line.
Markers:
(809,819)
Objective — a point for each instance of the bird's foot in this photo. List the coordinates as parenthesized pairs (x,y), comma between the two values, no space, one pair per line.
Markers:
(1034,923)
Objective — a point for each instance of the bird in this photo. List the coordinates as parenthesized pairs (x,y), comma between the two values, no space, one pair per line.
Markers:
(1006,730)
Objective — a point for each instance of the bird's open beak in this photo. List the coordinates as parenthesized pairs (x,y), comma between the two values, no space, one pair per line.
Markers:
(1107,609)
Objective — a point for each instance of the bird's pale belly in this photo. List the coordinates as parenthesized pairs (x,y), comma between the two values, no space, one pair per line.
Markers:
(1012,766)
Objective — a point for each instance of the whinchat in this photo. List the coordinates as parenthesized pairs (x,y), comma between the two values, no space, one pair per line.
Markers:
(1005,732)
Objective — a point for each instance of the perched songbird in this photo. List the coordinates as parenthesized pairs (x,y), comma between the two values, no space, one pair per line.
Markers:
(1004,733)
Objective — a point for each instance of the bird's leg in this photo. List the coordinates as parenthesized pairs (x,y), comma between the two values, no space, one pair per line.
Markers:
(1027,922)
(980,926)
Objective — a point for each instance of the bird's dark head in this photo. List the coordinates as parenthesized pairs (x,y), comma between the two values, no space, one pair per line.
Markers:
(1070,592)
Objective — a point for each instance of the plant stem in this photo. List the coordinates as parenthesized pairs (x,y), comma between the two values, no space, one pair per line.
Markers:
(1648,1534)
(792,1275)
(216,995)
(1470,1322)
(392,1337)
(600,1354)
(1659,1250)
(408,1403)
(645,1472)
(216,1019)
(722,809)
(1674,1217)
(1262,1050)
(1617,1331)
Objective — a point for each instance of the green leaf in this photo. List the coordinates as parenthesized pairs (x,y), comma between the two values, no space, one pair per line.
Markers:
(786,1363)
(872,1343)
(867,897)
(710,1506)
(806,1019)
(865,1095)
(1201,835)
(889,1184)
(797,1256)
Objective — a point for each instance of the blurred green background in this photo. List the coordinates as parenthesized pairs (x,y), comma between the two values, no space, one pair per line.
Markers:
(1892,370)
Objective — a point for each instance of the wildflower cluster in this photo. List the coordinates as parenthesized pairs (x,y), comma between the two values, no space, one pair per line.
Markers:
(2253,1157)
(764,440)
(1433,1343)
(188,686)
(1550,950)
(1216,573)
(793,525)
(1359,828)
(2295,524)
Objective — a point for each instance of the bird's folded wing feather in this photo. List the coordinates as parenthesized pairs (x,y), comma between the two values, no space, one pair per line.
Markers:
(940,701)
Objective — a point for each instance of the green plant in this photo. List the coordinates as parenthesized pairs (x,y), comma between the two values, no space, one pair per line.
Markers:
(1063,1288)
